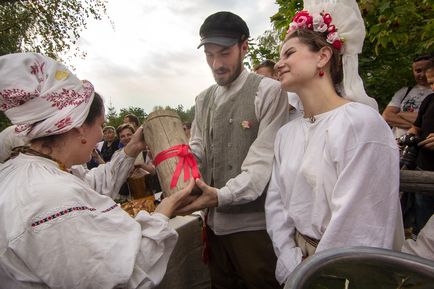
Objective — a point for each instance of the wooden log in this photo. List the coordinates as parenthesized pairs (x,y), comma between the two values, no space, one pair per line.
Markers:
(417,182)
(162,130)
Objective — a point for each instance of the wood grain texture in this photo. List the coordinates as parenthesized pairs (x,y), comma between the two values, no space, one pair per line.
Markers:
(162,130)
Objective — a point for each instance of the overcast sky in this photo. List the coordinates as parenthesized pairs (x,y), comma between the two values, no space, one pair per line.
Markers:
(149,56)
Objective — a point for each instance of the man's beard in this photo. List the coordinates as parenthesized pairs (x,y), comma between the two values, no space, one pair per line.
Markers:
(231,77)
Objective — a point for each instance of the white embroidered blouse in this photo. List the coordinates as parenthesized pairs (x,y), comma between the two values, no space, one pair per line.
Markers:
(335,180)
(58,231)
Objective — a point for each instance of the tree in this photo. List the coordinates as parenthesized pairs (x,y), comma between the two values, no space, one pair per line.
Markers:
(397,31)
(115,119)
(265,47)
(185,115)
(45,26)
(392,41)
(137,111)
(112,116)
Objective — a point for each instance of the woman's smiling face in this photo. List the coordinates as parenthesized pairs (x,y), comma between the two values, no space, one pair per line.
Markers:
(297,64)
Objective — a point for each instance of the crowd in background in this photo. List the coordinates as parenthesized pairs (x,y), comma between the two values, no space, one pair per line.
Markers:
(295,159)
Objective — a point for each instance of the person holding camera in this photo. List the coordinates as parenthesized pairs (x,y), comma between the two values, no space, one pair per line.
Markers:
(423,128)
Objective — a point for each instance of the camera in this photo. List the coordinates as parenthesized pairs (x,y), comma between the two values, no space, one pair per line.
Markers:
(410,150)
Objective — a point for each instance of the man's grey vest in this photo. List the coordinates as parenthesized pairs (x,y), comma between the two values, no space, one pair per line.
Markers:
(227,142)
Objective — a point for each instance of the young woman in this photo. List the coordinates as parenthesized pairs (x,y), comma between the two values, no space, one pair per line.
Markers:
(57,230)
(335,177)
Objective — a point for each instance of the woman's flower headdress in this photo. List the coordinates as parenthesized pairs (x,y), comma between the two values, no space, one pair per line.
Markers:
(319,22)
(342,21)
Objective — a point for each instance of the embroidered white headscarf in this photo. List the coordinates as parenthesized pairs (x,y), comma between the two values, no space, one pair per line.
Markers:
(41,96)
(350,26)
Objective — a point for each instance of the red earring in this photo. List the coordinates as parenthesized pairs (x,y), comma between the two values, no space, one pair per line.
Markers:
(83,141)
(321,73)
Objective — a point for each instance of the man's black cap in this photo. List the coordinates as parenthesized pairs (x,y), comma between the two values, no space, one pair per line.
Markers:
(223,28)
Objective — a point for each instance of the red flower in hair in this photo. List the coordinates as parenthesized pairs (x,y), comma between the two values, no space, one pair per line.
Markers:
(337,44)
(331,29)
(302,18)
(318,22)
(327,18)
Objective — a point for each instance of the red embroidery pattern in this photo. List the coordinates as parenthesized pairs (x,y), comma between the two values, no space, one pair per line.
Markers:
(63,122)
(69,97)
(22,127)
(61,213)
(14,97)
(38,70)
(67,211)
(109,209)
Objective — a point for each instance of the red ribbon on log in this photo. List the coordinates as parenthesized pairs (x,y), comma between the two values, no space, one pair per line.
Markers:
(186,161)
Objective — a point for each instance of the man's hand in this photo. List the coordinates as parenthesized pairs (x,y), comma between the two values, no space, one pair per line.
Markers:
(208,199)
(179,199)
(428,143)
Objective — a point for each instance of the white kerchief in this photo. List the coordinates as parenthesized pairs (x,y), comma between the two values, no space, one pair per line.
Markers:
(41,96)
(350,26)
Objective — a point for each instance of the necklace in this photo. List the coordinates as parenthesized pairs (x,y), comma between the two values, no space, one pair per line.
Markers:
(29,151)
(311,119)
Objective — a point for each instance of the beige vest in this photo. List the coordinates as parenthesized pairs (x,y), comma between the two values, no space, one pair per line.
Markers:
(227,142)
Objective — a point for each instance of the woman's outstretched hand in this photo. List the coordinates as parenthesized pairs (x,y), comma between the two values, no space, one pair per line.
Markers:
(137,144)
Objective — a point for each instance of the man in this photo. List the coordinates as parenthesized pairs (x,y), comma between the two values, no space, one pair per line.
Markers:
(132,120)
(266,68)
(424,127)
(235,124)
(401,112)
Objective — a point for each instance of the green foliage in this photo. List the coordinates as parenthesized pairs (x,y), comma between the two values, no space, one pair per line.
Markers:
(137,111)
(287,10)
(115,119)
(397,31)
(112,117)
(265,47)
(45,26)
(185,115)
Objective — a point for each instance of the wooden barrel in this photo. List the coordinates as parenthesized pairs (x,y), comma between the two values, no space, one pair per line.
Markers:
(163,130)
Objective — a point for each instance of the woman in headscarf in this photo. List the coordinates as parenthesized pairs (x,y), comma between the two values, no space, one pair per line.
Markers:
(335,176)
(110,144)
(58,230)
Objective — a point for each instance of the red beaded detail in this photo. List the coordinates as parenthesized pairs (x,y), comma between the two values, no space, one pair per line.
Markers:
(67,211)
